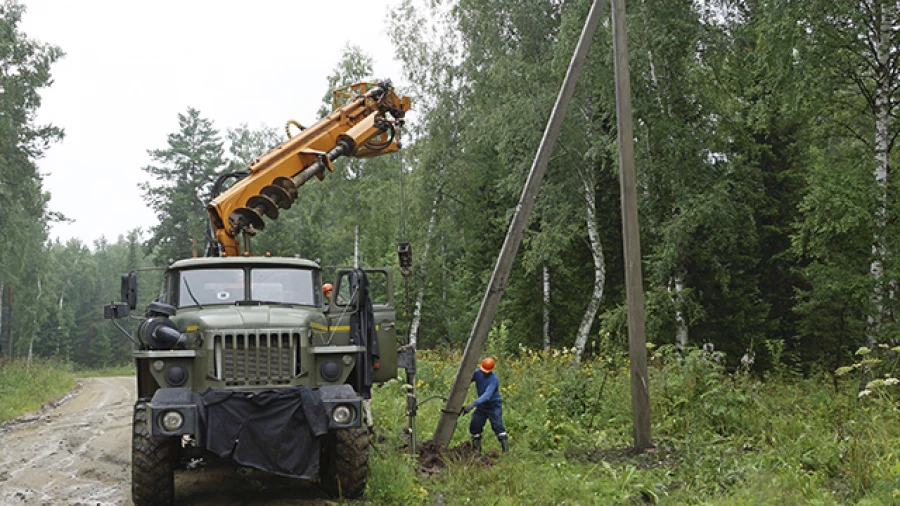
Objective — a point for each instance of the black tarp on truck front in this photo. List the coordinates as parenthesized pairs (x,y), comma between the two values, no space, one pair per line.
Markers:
(276,431)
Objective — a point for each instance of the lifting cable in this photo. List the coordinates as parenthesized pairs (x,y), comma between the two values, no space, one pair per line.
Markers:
(404,249)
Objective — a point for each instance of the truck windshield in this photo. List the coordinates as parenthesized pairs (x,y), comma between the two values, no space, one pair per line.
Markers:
(283,286)
(202,287)
(268,285)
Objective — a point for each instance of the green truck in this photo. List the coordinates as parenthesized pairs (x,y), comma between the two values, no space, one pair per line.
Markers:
(243,360)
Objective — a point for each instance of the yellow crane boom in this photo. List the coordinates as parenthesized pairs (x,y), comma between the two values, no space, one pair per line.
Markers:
(365,122)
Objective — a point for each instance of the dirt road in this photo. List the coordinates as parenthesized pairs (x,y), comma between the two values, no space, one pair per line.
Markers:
(80,454)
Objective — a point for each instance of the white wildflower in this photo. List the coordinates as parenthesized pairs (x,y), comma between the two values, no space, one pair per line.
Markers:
(875,384)
(864,393)
(843,370)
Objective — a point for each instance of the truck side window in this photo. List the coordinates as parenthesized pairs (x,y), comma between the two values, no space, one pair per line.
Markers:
(343,295)
(378,288)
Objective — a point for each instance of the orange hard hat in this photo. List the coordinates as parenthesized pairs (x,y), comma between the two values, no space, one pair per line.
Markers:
(327,287)
(487,365)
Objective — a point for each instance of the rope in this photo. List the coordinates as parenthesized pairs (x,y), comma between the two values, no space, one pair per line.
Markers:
(403,234)
(403,230)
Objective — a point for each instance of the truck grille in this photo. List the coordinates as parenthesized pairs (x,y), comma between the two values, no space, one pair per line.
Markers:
(254,359)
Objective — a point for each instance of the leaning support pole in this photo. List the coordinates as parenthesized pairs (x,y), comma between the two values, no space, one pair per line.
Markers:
(447,423)
(634,291)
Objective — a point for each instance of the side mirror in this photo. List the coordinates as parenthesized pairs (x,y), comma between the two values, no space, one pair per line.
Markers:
(129,290)
(115,311)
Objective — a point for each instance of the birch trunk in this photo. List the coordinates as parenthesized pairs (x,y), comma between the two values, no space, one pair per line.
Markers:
(676,283)
(62,298)
(882,162)
(59,321)
(590,313)
(2,286)
(423,263)
(676,287)
(443,270)
(9,321)
(34,323)
(546,272)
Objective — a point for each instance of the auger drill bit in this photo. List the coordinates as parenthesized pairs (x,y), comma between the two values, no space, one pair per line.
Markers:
(283,192)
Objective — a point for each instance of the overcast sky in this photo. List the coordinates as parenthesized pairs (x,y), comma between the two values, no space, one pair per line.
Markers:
(131,67)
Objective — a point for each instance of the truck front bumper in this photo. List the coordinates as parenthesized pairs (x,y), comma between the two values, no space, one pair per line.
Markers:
(278,430)
(181,411)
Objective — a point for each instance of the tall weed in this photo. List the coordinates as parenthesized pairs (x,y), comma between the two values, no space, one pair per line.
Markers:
(724,437)
(24,388)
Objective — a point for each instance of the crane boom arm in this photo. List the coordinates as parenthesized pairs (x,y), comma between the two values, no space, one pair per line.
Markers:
(366,124)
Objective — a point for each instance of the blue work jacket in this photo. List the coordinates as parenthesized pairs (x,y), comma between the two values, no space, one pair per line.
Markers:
(488,388)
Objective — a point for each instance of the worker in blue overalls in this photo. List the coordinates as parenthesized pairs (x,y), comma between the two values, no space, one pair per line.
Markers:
(487,406)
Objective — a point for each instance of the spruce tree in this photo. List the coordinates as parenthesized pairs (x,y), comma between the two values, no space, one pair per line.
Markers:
(184,173)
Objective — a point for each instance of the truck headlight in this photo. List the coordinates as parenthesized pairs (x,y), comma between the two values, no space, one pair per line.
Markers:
(342,414)
(172,420)
(176,375)
(330,370)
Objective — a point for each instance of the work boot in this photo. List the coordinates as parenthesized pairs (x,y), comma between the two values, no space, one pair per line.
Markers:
(476,442)
(504,443)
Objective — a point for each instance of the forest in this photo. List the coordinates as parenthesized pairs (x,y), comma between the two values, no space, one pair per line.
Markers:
(764,136)
(763,133)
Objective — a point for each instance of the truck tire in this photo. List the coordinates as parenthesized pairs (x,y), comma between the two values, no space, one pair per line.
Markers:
(344,463)
(152,462)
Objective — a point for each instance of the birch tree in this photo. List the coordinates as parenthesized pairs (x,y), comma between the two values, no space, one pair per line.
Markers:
(25,66)
(423,271)
(858,43)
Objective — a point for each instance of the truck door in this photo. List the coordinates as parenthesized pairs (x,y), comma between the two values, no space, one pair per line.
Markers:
(381,292)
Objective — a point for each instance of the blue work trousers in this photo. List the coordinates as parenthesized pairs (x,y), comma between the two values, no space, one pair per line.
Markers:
(482,413)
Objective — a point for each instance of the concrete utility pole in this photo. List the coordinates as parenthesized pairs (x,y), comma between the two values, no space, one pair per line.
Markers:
(475,346)
(637,343)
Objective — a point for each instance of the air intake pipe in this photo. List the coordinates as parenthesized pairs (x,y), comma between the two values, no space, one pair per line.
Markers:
(157,331)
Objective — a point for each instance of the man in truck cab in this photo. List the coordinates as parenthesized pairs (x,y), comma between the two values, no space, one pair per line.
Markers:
(487,406)
(326,290)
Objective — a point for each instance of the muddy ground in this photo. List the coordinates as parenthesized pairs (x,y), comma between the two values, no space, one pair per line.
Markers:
(434,457)
(79,453)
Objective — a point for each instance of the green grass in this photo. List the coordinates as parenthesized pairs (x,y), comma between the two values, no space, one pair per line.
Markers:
(119,370)
(24,389)
(722,438)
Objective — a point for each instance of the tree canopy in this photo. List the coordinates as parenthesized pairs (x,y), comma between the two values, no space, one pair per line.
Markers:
(764,135)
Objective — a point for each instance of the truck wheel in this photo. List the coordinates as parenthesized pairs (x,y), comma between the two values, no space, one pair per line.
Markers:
(344,463)
(152,462)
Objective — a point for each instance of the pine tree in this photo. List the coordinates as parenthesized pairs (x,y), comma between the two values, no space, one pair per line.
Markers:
(184,173)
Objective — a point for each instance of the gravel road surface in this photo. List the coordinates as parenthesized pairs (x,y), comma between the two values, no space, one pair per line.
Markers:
(79,453)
